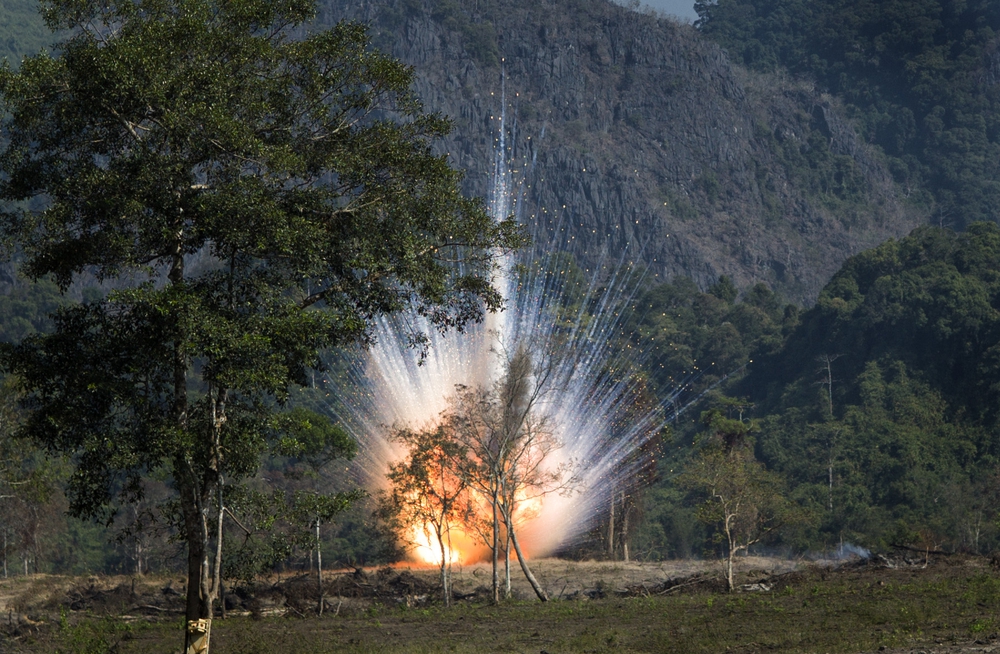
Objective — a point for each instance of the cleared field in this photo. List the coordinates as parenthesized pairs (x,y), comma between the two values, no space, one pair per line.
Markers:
(948,605)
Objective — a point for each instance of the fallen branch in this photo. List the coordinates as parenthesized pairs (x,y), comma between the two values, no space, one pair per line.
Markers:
(923,551)
(690,583)
(154,608)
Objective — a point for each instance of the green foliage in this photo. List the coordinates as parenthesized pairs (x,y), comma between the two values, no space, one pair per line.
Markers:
(709,185)
(94,636)
(724,289)
(24,31)
(669,528)
(266,527)
(878,407)
(927,301)
(834,179)
(27,309)
(910,452)
(919,79)
(478,35)
(188,139)
(299,169)
(738,498)
(311,437)
(696,339)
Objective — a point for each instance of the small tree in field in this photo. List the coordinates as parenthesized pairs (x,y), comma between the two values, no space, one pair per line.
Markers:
(742,499)
(256,198)
(427,492)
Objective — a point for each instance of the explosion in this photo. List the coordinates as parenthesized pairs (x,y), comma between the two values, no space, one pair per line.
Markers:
(462,545)
(595,408)
(459,547)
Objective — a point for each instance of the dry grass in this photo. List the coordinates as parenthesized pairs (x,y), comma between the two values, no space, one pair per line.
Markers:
(948,606)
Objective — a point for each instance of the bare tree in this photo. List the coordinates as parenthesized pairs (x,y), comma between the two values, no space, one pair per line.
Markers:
(312,510)
(825,369)
(741,498)
(527,477)
(508,446)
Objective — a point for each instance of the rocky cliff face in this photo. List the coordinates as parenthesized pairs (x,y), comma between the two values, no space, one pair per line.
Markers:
(630,134)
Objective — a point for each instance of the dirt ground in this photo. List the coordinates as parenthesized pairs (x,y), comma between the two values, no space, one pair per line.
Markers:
(571,579)
(413,583)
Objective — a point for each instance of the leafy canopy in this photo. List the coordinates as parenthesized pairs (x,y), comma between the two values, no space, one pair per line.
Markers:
(256,198)
(920,78)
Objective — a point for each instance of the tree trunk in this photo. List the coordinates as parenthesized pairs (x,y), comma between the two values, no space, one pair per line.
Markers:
(730,585)
(506,567)
(217,573)
(611,526)
(829,472)
(527,571)
(730,553)
(496,553)
(444,567)
(319,570)
(198,607)
(624,529)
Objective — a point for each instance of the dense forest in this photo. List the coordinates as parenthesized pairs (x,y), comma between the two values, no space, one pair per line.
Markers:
(921,79)
(877,406)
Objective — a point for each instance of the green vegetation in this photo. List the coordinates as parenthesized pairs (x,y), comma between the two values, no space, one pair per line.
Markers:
(300,166)
(24,32)
(921,79)
(878,407)
(877,411)
(859,610)
(478,36)
(881,406)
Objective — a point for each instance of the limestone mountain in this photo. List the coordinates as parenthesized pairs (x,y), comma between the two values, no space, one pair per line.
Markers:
(631,133)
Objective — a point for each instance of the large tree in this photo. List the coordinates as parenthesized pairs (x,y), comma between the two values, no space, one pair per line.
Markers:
(254,193)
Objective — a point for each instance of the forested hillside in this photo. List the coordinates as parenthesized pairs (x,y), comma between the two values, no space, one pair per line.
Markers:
(22,30)
(877,406)
(920,79)
(882,405)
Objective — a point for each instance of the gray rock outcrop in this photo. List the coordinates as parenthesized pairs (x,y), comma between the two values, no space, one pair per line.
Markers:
(630,135)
